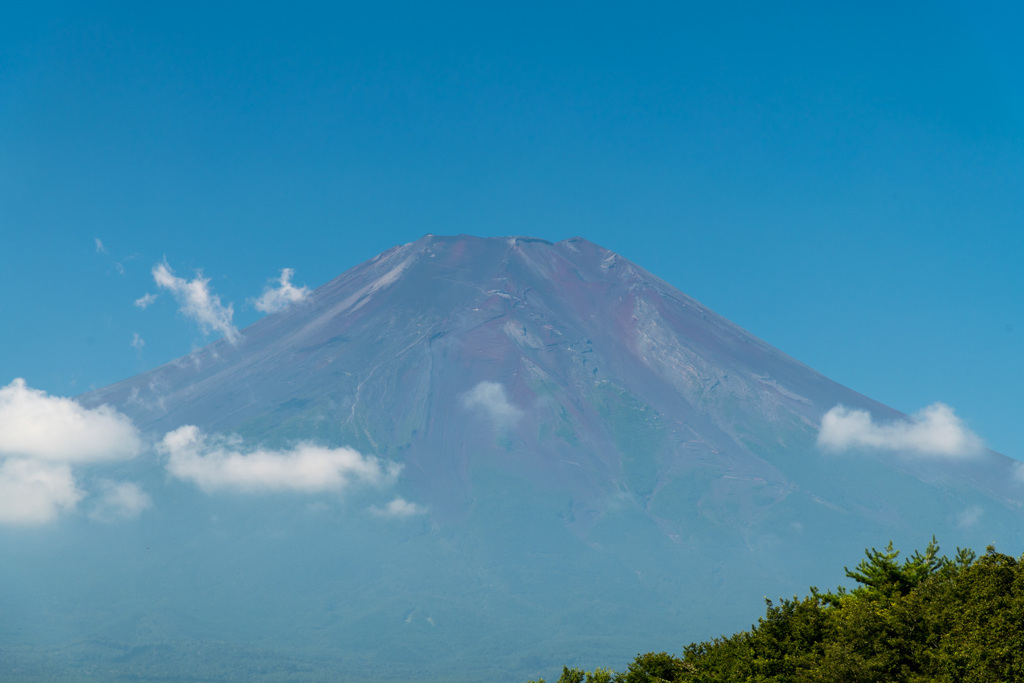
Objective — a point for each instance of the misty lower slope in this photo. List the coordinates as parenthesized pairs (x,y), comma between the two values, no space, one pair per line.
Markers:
(590,463)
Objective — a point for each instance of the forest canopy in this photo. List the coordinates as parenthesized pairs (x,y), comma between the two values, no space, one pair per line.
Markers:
(925,618)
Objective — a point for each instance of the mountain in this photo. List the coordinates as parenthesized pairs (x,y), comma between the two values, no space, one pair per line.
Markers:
(587,461)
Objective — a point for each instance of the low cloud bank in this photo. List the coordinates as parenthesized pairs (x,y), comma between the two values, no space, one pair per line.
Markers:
(492,398)
(197,302)
(217,463)
(282,296)
(41,438)
(934,431)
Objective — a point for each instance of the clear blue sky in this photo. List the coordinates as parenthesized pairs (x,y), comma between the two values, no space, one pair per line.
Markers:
(845,181)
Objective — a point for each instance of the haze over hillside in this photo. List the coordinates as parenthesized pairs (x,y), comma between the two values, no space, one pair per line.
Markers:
(473,458)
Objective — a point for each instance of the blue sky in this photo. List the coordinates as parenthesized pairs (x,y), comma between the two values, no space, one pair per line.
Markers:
(844,181)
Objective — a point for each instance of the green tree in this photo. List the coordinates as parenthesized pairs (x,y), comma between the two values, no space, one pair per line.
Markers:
(654,667)
(572,675)
(883,575)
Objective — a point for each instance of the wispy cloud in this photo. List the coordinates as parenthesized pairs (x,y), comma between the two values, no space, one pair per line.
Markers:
(196,301)
(120,500)
(934,431)
(137,341)
(145,301)
(281,296)
(492,398)
(102,249)
(41,438)
(217,463)
(969,517)
(399,508)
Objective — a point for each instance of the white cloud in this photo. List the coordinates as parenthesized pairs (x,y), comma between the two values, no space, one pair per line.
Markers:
(145,301)
(278,298)
(214,463)
(100,249)
(137,341)
(969,517)
(198,302)
(399,508)
(935,430)
(41,437)
(35,425)
(35,491)
(492,398)
(120,500)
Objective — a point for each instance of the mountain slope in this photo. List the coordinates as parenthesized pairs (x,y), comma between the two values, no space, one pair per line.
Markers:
(596,376)
(604,464)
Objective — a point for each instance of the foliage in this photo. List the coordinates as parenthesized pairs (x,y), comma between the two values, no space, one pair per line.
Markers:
(598,675)
(881,575)
(927,618)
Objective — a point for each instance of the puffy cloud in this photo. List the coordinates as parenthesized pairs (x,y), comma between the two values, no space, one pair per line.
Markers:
(34,491)
(282,296)
(935,430)
(492,398)
(197,301)
(35,425)
(120,500)
(399,508)
(145,301)
(41,437)
(214,464)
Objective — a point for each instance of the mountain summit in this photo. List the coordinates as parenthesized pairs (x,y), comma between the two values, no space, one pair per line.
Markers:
(589,462)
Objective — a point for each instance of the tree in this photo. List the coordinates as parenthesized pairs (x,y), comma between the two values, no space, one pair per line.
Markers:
(881,574)
(654,667)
